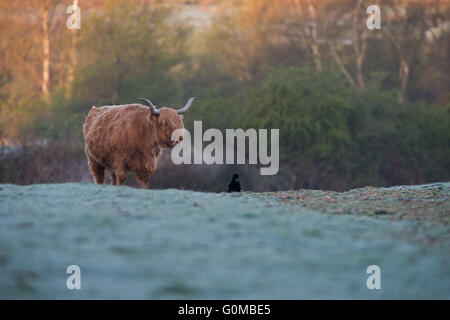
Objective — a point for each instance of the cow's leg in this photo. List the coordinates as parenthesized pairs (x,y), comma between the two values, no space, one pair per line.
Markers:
(98,171)
(142,178)
(113,178)
(121,176)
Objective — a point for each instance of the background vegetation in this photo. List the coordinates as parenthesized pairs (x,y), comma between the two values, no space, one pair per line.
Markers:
(354,106)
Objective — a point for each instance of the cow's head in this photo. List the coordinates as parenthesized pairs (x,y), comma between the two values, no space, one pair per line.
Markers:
(168,120)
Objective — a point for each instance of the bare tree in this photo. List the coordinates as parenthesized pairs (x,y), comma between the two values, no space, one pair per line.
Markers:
(359,43)
(73,58)
(406,24)
(44,15)
(346,26)
(307,13)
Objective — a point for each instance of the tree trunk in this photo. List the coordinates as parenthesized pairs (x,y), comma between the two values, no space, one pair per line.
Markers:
(359,71)
(73,59)
(314,41)
(403,74)
(309,35)
(341,66)
(359,45)
(45,83)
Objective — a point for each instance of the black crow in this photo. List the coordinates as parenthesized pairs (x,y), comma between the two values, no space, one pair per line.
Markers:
(235,184)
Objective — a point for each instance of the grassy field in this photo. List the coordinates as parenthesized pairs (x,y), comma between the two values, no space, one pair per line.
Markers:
(159,244)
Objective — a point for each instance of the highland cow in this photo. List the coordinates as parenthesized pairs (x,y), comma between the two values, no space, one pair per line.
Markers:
(129,138)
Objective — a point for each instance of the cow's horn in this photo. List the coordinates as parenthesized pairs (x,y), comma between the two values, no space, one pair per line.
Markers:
(187,106)
(150,104)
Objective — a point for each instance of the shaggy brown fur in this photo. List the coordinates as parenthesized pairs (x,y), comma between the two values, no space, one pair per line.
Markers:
(127,138)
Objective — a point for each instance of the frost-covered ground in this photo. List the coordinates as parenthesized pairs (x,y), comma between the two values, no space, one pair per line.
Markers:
(158,244)
(428,202)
